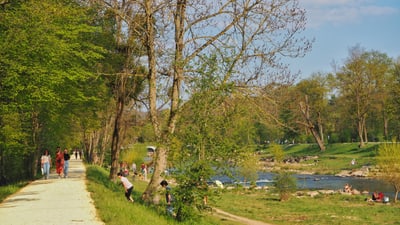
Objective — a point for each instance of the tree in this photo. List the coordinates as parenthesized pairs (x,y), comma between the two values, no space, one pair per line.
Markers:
(359,82)
(178,34)
(45,50)
(388,161)
(313,106)
(237,32)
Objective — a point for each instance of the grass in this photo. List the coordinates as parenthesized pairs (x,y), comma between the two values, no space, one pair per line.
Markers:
(8,190)
(322,209)
(335,158)
(253,204)
(113,208)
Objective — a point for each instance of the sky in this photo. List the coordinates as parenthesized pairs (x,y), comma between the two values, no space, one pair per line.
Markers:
(338,25)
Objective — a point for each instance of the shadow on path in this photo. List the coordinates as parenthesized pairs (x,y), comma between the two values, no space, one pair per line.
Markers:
(53,201)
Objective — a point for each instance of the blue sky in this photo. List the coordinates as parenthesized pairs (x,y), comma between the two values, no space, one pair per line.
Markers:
(338,25)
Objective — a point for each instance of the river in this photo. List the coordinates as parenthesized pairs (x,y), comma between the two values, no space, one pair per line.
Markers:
(322,182)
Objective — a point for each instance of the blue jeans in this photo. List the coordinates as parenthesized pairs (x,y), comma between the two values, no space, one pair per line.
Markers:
(46,170)
(66,166)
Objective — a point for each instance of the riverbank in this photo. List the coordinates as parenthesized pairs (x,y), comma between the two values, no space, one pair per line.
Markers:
(345,159)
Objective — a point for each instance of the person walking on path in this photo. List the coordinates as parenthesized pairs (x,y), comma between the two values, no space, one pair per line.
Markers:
(66,162)
(59,162)
(45,161)
(128,186)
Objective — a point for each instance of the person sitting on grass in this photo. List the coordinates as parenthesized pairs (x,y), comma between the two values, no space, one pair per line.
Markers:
(128,186)
(347,188)
(377,197)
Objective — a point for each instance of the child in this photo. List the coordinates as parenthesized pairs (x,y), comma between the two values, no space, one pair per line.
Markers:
(127,185)
(168,197)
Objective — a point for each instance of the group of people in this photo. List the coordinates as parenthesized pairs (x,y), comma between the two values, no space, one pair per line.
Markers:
(376,196)
(61,162)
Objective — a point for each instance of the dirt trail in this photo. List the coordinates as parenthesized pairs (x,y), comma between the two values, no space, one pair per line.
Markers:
(240,219)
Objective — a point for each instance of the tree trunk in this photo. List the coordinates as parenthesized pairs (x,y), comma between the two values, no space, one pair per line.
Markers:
(320,127)
(365,133)
(150,194)
(305,110)
(36,151)
(385,128)
(160,164)
(115,143)
(360,130)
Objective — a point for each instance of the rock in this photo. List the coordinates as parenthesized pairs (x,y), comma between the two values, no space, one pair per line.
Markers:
(313,193)
(326,192)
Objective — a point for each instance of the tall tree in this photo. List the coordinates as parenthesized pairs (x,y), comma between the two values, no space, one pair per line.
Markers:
(202,27)
(359,82)
(249,36)
(313,106)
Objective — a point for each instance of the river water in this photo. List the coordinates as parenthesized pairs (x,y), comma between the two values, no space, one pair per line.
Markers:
(322,182)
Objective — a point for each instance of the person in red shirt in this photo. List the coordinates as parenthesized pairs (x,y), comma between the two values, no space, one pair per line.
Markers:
(59,162)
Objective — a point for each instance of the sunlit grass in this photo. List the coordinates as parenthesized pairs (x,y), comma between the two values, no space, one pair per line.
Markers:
(113,208)
(8,190)
(322,209)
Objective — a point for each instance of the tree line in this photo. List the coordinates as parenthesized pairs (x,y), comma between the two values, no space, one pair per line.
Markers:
(202,81)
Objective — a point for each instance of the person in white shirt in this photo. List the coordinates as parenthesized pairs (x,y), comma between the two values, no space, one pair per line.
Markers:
(127,185)
(45,163)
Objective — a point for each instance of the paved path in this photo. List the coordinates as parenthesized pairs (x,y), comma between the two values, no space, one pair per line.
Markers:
(53,201)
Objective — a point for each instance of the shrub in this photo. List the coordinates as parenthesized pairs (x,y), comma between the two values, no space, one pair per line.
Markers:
(285,185)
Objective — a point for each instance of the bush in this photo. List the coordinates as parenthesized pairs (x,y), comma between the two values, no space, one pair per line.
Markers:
(277,152)
(285,185)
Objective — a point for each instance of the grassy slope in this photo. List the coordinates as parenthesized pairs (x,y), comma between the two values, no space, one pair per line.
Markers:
(337,157)
(113,208)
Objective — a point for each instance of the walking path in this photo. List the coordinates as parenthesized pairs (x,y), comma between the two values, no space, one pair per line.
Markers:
(53,201)
(243,220)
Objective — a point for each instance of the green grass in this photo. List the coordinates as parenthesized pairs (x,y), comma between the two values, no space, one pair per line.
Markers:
(113,208)
(256,204)
(322,209)
(261,205)
(335,158)
(8,190)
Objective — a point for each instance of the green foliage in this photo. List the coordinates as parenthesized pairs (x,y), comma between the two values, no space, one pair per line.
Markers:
(388,161)
(277,152)
(135,153)
(285,185)
(248,167)
(191,189)
(47,67)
